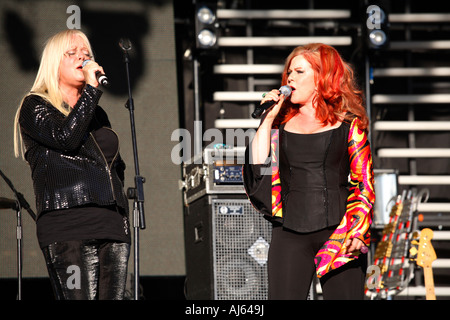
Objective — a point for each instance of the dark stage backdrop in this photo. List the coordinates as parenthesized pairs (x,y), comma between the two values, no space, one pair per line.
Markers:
(24,27)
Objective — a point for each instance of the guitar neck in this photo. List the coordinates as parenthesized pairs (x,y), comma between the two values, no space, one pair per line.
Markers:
(429,283)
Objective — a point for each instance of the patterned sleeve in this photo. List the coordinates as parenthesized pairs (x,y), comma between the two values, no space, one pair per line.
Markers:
(358,217)
(362,196)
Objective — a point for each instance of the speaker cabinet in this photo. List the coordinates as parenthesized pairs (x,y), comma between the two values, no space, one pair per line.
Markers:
(226,243)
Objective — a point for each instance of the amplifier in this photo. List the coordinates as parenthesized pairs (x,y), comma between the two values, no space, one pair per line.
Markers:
(214,171)
(226,247)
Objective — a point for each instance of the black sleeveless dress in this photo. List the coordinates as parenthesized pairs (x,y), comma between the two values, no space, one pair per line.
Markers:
(314,170)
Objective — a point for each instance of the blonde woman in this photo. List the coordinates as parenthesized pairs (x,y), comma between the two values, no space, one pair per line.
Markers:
(77,173)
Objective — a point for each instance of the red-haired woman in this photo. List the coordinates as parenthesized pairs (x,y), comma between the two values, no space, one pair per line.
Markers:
(309,171)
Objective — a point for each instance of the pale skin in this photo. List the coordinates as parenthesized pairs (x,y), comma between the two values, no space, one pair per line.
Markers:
(72,77)
(301,80)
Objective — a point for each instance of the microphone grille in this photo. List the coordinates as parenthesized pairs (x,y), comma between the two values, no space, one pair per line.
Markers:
(286,90)
(85,63)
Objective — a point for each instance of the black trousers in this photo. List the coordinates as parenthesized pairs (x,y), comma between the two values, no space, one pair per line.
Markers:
(291,268)
(87,269)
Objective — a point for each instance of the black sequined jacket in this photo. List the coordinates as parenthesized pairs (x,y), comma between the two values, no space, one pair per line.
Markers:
(67,165)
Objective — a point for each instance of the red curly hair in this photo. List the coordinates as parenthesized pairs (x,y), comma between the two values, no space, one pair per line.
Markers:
(337,91)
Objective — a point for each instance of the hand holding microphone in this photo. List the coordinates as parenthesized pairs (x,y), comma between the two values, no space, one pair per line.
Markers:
(100,76)
(284,90)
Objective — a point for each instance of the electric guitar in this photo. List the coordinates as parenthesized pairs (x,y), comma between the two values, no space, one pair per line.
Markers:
(425,256)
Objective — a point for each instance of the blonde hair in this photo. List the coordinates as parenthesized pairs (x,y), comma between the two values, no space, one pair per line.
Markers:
(46,84)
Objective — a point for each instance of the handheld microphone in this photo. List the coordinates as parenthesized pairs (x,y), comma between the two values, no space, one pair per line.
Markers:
(101,78)
(286,90)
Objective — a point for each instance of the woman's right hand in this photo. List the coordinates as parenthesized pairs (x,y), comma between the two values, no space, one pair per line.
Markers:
(260,146)
(278,100)
(89,71)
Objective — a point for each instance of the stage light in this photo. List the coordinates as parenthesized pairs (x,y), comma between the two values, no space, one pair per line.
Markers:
(205,15)
(206,25)
(206,38)
(377,38)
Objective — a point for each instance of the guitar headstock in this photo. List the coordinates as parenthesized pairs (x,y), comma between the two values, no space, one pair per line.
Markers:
(425,252)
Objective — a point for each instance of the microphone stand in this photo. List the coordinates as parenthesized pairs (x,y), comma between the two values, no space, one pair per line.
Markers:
(136,193)
(20,203)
